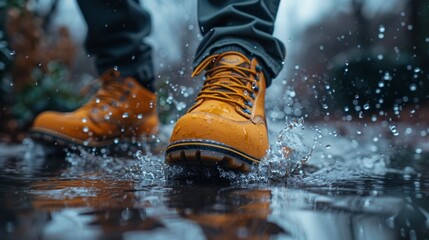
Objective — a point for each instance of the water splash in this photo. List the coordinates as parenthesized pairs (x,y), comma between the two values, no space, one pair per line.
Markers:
(282,159)
(141,166)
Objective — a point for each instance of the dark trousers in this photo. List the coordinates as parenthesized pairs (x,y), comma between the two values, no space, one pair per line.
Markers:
(117,28)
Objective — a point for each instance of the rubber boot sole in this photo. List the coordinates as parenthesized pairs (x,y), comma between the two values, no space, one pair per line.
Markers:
(209,154)
(62,141)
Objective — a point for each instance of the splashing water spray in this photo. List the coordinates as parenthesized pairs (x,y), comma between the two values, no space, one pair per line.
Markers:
(282,159)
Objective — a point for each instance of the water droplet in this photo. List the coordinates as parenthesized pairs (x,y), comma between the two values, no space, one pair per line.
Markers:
(126,214)
(84,120)
(328,146)
(413,87)
(394,130)
(125,115)
(139,155)
(12,53)
(366,106)
(180,106)
(387,76)
(408,131)
(140,116)
(85,129)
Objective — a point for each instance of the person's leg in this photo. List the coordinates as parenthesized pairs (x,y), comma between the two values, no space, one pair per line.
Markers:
(124,107)
(226,126)
(116,30)
(248,24)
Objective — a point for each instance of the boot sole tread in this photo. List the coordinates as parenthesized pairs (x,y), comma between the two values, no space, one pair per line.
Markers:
(209,154)
(63,142)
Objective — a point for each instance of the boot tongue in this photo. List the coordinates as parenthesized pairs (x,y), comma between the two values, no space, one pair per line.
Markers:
(233,59)
(110,75)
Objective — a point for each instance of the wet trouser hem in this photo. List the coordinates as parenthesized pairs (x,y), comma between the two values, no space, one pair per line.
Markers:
(271,66)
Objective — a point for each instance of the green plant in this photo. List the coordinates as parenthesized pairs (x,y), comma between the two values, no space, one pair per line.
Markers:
(50,91)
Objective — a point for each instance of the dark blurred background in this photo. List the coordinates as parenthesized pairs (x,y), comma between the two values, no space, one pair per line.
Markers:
(348,60)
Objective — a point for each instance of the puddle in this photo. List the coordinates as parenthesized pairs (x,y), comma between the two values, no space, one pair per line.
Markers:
(331,186)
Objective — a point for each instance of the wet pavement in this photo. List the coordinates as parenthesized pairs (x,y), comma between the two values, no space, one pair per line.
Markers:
(350,188)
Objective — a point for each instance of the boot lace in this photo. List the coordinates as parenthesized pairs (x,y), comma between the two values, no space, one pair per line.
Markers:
(111,90)
(228,83)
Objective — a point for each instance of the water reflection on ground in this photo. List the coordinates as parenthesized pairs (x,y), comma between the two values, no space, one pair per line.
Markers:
(82,196)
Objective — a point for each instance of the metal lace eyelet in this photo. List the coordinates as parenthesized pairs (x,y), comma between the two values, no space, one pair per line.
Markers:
(113,103)
(247,111)
(258,68)
(255,87)
(249,103)
(257,77)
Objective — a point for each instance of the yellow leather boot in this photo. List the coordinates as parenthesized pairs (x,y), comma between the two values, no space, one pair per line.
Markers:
(120,111)
(226,126)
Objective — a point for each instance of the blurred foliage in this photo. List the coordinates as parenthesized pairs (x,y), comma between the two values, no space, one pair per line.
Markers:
(39,67)
(4,49)
(17,4)
(174,99)
(164,102)
(50,91)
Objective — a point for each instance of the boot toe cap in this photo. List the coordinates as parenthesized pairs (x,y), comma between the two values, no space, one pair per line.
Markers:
(244,136)
(59,125)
